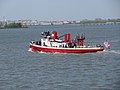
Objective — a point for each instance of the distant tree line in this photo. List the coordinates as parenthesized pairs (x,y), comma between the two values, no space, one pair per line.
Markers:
(13,25)
(99,21)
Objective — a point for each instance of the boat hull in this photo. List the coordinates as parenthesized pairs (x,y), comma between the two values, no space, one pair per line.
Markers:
(37,48)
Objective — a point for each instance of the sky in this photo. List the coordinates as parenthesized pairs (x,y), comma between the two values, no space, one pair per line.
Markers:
(59,9)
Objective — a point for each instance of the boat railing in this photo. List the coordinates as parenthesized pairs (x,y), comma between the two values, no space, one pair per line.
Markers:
(93,44)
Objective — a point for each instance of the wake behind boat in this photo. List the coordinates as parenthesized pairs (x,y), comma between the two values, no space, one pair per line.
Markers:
(51,43)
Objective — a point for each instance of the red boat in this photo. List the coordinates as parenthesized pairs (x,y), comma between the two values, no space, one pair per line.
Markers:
(51,43)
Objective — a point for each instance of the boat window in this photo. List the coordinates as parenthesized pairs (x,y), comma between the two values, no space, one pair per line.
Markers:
(43,43)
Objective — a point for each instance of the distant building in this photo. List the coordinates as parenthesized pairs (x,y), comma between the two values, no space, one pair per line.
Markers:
(57,22)
(45,23)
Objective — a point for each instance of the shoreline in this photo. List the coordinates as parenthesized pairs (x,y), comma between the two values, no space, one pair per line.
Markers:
(89,24)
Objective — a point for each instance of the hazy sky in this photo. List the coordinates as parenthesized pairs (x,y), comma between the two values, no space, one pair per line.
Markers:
(59,9)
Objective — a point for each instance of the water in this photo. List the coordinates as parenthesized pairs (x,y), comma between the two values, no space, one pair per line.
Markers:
(24,70)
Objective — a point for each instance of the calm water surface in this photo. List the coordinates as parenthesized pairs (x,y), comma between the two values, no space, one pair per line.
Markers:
(23,70)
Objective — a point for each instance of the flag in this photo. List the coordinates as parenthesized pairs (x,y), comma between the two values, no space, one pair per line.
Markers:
(107,44)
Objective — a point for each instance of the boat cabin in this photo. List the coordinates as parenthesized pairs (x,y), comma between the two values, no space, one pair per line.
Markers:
(52,40)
